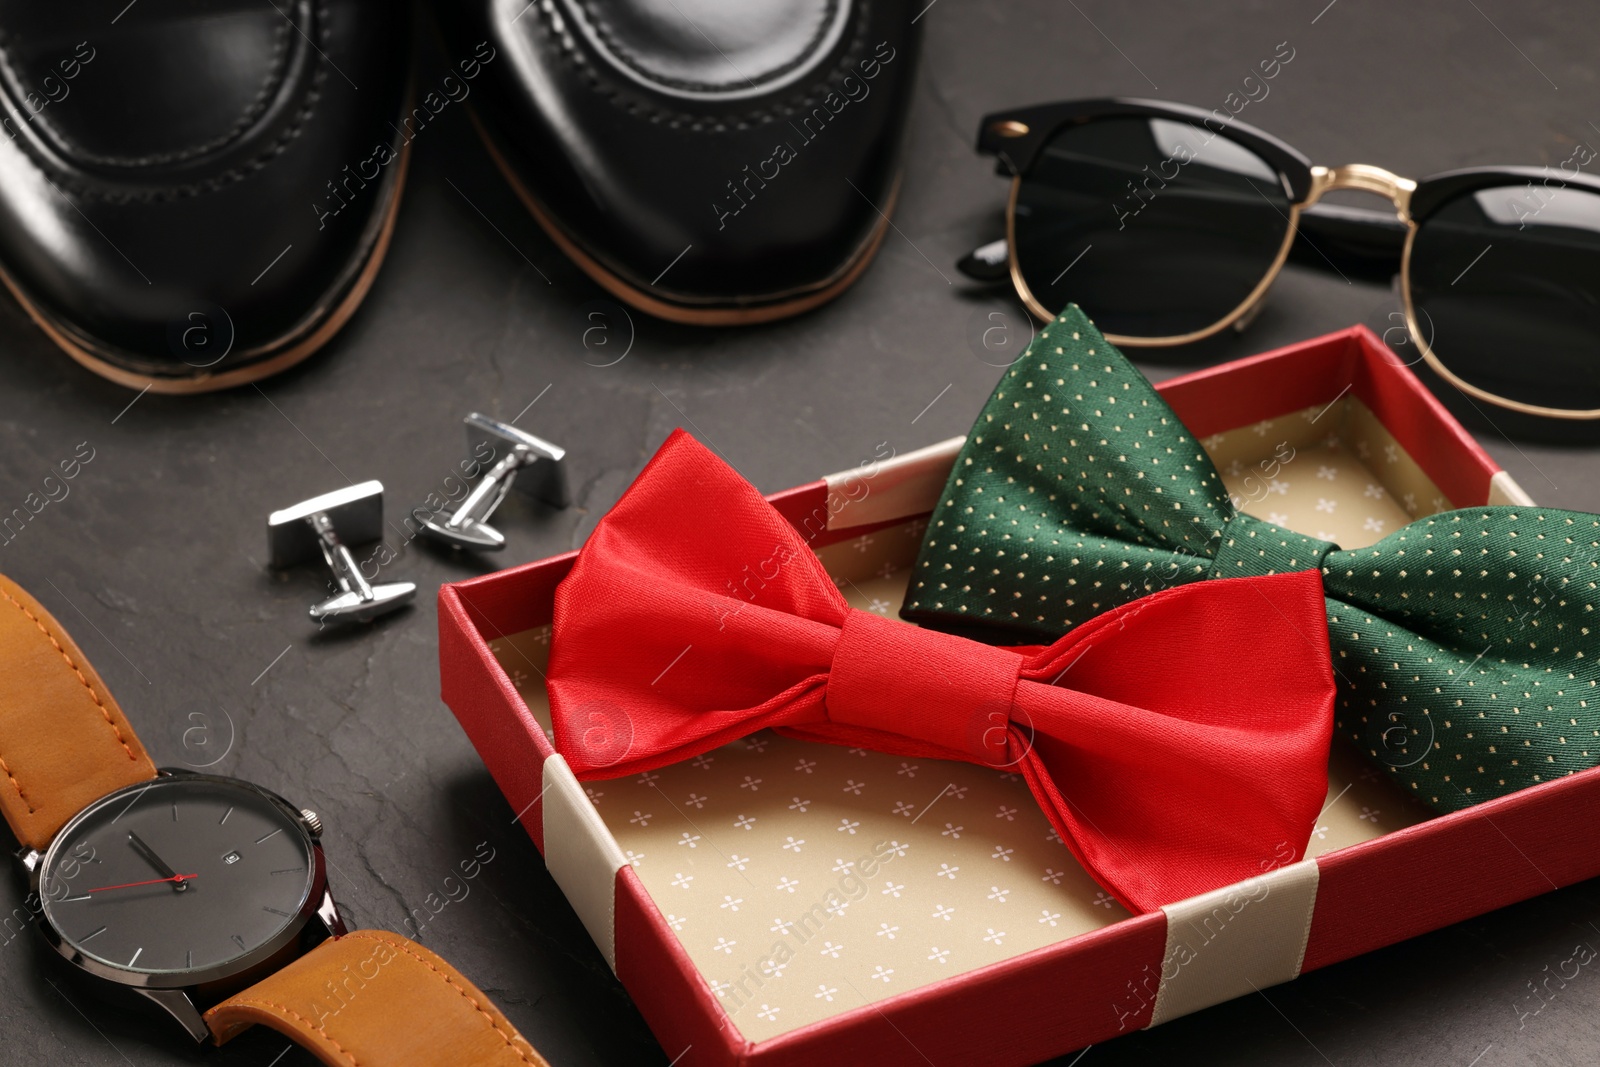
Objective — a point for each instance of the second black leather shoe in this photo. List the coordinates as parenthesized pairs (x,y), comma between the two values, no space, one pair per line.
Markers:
(707,161)
(197,193)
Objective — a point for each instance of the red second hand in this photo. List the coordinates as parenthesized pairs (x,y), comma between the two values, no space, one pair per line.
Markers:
(153,881)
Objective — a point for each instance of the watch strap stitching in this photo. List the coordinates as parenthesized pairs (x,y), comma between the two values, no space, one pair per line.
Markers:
(105,712)
(6,767)
(273,1006)
(405,946)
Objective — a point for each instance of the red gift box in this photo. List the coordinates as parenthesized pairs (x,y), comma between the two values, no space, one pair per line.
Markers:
(1333,437)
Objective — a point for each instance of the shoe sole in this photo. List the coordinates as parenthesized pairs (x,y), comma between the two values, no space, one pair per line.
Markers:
(730,314)
(302,344)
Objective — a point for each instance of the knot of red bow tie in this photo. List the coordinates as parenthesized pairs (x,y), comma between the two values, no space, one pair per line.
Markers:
(927,686)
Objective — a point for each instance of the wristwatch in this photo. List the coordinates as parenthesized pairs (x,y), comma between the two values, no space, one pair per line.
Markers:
(201,896)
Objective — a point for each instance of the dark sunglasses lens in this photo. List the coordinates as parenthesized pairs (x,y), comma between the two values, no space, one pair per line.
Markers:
(1505,289)
(1155,227)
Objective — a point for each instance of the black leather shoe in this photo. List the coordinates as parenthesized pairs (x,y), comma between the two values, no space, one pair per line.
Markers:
(708,161)
(197,193)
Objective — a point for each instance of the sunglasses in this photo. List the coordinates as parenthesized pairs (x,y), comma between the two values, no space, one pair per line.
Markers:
(1166,224)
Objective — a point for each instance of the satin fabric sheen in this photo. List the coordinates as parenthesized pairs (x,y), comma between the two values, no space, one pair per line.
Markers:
(1177,744)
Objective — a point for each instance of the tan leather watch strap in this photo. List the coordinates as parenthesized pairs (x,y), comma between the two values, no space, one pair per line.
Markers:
(375,999)
(63,740)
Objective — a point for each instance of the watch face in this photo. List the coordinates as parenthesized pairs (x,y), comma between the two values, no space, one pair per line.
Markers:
(183,874)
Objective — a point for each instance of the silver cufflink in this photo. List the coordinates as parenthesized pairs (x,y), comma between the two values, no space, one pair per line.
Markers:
(533,465)
(324,524)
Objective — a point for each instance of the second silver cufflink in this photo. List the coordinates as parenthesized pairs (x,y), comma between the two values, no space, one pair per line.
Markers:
(512,457)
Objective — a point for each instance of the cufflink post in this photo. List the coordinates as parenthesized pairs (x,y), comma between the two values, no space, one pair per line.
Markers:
(531,464)
(303,531)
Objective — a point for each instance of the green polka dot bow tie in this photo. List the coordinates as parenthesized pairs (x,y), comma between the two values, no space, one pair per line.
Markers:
(1461,642)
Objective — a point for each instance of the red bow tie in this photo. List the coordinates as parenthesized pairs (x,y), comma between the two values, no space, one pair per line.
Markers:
(1177,744)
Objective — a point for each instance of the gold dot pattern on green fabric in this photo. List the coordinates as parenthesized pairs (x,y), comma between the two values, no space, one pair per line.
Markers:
(1249,546)
(1462,642)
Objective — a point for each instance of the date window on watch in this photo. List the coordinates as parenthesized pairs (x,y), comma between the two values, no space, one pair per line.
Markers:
(231,858)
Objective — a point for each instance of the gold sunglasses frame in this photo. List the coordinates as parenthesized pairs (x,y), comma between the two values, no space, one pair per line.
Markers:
(1359,176)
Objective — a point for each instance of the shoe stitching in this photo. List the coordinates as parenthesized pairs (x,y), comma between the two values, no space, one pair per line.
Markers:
(216,182)
(252,112)
(801,101)
(567,50)
(404,946)
(604,30)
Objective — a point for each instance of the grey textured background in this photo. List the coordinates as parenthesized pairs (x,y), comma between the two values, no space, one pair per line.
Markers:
(155,559)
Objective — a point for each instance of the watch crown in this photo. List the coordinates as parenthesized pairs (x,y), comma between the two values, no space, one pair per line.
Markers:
(312,820)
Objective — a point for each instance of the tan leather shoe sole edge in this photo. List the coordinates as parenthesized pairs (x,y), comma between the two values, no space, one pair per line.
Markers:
(301,344)
(713,315)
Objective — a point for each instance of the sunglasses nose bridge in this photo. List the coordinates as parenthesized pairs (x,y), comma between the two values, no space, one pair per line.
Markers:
(1368,179)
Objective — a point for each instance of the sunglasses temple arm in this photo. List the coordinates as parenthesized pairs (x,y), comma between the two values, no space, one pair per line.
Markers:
(1356,242)
(989,263)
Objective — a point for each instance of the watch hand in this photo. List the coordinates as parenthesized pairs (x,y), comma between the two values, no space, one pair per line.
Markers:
(169,875)
(178,879)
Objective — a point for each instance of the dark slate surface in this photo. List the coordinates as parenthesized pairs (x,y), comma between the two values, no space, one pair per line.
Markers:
(155,560)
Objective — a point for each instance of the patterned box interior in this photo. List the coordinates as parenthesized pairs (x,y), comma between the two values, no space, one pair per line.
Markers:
(806,879)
